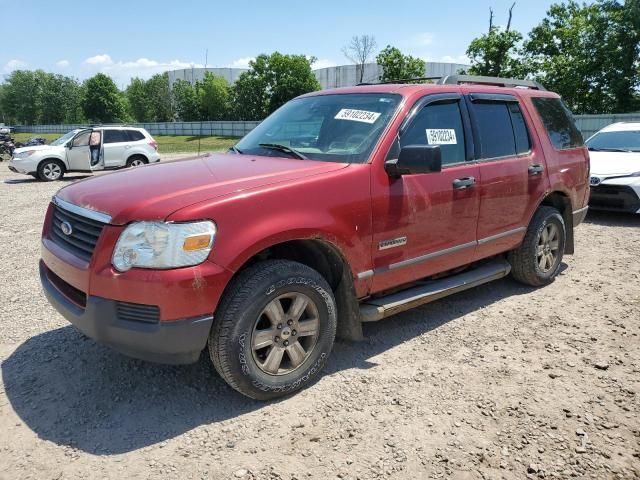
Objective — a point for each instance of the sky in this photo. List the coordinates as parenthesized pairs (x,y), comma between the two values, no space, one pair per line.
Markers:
(139,38)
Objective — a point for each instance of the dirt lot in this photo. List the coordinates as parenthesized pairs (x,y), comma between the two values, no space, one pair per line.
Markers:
(500,382)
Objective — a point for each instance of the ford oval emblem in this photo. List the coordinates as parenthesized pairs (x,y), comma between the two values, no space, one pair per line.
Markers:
(66,228)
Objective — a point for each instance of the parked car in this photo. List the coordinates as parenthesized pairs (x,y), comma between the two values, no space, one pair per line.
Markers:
(615,168)
(113,147)
(345,206)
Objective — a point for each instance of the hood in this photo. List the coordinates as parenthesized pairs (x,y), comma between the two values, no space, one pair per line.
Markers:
(153,192)
(36,148)
(614,164)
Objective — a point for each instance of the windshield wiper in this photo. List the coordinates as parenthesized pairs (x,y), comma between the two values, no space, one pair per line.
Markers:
(593,149)
(235,150)
(283,148)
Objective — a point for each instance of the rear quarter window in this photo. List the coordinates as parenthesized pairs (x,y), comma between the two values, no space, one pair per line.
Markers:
(135,135)
(558,122)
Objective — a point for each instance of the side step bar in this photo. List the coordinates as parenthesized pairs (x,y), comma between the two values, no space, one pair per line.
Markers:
(375,309)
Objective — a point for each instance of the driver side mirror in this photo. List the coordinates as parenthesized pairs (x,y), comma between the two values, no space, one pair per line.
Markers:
(415,160)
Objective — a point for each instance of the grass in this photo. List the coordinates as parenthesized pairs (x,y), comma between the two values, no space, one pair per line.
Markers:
(166,143)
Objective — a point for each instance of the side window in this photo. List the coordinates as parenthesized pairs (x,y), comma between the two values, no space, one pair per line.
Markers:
(558,122)
(493,121)
(520,132)
(82,140)
(134,135)
(439,124)
(115,136)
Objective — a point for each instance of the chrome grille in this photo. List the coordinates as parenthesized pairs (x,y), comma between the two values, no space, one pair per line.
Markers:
(82,239)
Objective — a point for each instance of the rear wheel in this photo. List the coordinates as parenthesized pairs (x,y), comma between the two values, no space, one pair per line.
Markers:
(537,260)
(50,170)
(136,161)
(274,329)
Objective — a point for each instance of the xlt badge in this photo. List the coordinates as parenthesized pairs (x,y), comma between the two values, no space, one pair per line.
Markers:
(393,243)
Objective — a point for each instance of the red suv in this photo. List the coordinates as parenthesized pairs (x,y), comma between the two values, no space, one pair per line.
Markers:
(344,206)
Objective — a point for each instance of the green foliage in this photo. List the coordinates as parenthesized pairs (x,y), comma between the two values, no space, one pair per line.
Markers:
(397,66)
(159,96)
(103,101)
(185,101)
(589,54)
(497,54)
(272,80)
(31,97)
(138,102)
(213,95)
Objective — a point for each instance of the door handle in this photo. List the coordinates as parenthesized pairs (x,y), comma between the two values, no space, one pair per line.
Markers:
(464,183)
(535,169)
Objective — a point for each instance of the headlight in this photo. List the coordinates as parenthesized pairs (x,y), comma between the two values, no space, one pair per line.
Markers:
(161,245)
(26,154)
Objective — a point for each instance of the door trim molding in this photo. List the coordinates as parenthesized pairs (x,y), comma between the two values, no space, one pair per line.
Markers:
(430,256)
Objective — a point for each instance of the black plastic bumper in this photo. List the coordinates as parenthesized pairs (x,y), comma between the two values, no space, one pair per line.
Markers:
(614,198)
(176,342)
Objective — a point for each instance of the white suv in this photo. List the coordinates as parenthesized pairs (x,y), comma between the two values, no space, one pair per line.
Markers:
(87,150)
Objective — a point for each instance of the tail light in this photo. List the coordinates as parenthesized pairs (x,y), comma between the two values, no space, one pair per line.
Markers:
(154,144)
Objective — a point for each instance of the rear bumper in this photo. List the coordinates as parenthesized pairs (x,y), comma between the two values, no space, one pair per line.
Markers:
(579,216)
(176,342)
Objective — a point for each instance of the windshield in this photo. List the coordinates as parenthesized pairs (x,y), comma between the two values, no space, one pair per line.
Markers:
(627,141)
(334,128)
(64,139)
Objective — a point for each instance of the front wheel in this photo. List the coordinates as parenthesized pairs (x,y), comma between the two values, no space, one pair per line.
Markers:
(537,260)
(274,329)
(50,170)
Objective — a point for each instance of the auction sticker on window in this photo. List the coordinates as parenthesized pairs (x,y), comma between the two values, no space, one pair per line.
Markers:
(357,115)
(441,136)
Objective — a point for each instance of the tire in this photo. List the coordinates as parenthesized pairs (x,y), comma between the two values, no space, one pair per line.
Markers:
(50,170)
(136,161)
(284,360)
(537,260)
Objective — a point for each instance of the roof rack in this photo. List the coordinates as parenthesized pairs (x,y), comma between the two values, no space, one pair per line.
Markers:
(404,80)
(495,81)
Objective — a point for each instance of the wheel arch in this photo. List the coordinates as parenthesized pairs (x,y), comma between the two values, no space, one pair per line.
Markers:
(137,154)
(561,202)
(328,260)
(61,161)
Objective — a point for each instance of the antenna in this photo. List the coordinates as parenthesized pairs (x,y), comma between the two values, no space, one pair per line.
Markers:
(206,59)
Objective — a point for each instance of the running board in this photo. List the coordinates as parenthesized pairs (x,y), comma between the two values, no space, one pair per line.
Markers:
(375,309)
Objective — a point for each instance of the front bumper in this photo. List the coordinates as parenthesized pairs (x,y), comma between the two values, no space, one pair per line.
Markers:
(176,342)
(616,195)
(25,167)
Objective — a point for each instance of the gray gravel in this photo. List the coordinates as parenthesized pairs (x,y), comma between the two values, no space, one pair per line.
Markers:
(499,382)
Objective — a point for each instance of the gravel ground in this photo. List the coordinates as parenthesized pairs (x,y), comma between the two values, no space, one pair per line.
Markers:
(502,381)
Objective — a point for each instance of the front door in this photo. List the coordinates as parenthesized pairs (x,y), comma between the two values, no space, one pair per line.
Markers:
(426,224)
(78,153)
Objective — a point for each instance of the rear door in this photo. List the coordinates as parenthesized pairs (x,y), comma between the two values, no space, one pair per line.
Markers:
(512,174)
(426,224)
(115,144)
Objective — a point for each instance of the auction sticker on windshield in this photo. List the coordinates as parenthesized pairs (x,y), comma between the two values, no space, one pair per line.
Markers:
(357,115)
(441,136)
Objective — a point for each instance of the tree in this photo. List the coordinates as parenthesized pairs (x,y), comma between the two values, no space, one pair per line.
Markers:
(589,54)
(103,102)
(271,81)
(158,94)
(20,98)
(138,102)
(213,97)
(397,66)
(497,53)
(185,101)
(359,51)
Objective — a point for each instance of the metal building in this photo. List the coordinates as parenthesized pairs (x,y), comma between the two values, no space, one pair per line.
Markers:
(330,77)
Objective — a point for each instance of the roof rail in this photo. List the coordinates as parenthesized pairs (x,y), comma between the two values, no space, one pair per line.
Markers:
(404,80)
(495,81)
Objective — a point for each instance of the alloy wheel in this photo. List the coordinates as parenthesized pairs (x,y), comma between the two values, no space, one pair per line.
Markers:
(548,246)
(285,333)
(52,171)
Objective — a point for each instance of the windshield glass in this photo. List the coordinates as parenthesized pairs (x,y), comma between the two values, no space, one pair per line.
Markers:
(628,141)
(334,128)
(64,139)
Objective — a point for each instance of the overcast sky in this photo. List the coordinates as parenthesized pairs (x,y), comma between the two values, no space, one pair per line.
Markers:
(140,38)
